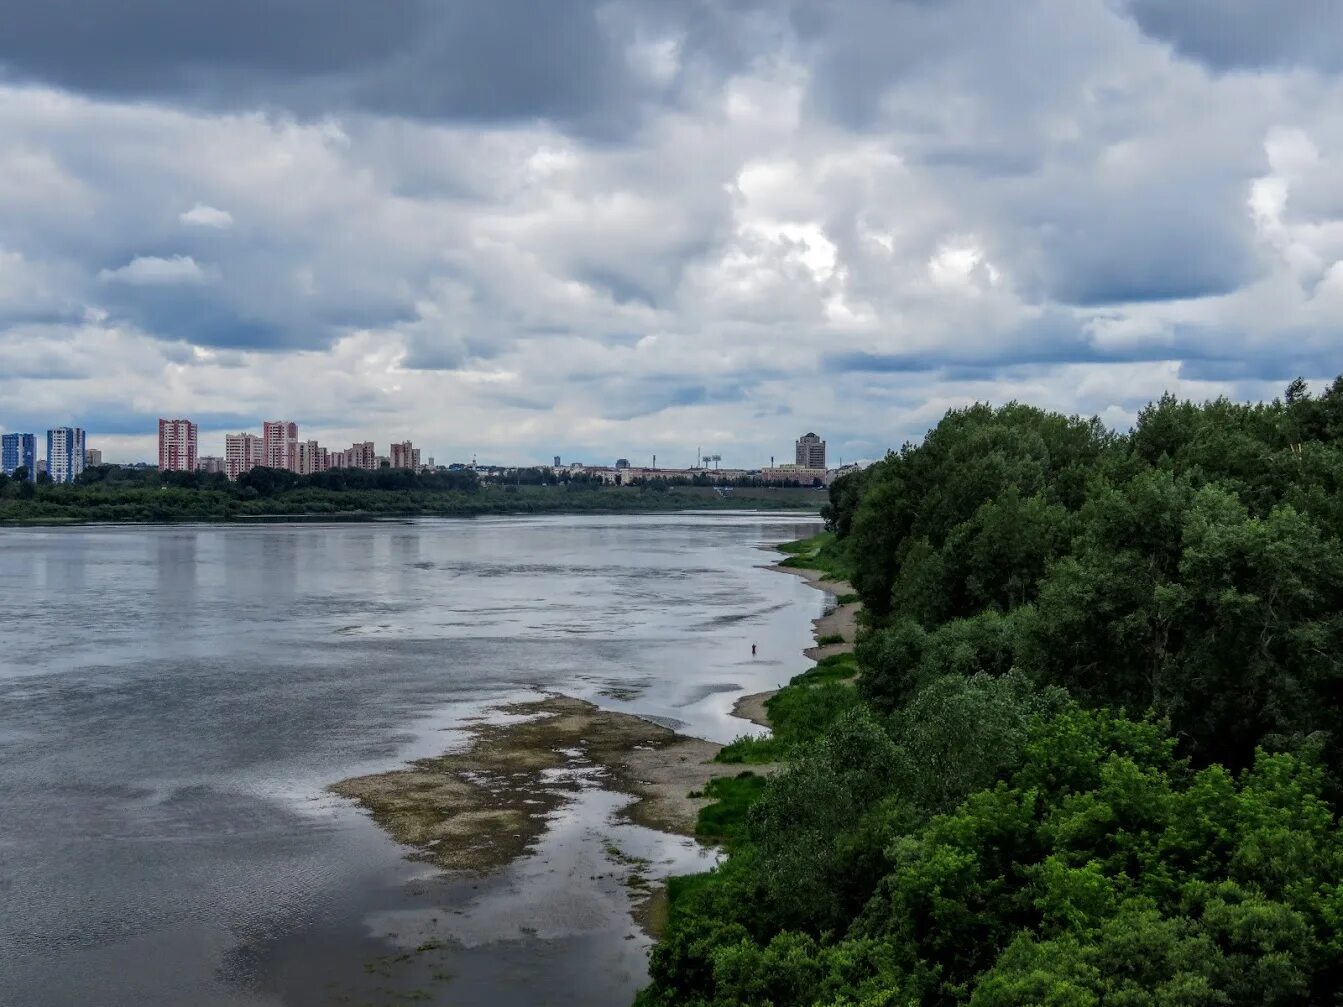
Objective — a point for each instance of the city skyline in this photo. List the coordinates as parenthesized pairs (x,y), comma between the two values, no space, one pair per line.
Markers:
(279,445)
(132,448)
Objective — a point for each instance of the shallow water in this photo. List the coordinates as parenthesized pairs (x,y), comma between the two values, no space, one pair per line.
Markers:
(173,700)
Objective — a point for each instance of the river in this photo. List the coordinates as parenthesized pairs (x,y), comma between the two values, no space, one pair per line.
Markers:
(174,700)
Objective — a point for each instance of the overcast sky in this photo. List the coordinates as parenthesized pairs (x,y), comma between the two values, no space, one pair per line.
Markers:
(517,229)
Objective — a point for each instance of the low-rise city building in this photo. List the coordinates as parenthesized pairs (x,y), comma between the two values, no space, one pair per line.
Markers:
(92,457)
(794,475)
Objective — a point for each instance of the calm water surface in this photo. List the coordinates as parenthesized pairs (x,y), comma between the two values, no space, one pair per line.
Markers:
(173,700)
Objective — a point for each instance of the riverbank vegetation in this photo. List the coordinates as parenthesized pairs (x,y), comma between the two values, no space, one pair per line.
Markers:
(800,711)
(1093,755)
(109,493)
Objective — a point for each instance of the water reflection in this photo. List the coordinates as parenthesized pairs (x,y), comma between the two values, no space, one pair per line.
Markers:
(166,836)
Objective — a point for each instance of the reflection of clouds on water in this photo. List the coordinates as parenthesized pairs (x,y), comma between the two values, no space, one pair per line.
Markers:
(576,881)
(196,739)
(709,689)
(732,618)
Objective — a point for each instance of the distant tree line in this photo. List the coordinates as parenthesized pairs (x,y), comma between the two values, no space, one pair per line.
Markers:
(113,493)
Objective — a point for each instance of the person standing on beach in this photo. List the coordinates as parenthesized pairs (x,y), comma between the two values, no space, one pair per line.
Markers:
(753,650)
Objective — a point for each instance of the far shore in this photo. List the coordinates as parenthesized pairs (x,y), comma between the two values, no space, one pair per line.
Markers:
(103,504)
(370,517)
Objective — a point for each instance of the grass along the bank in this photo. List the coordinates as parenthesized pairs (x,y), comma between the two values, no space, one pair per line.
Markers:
(723,820)
(812,701)
(799,711)
(820,552)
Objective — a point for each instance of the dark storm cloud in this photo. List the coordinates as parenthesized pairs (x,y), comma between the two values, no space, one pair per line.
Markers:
(1126,254)
(647,396)
(200,315)
(137,46)
(109,420)
(861,49)
(500,59)
(1246,34)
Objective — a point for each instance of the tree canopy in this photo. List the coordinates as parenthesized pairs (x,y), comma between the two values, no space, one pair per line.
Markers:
(1100,745)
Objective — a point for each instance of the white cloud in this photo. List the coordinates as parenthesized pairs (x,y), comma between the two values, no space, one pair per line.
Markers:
(201,215)
(846,225)
(153,270)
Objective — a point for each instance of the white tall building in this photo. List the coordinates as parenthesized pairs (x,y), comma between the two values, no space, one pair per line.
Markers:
(65,454)
(280,447)
(242,453)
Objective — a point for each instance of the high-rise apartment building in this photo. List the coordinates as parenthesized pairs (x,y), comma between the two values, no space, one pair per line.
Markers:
(242,453)
(19,451)
(312,457)
(356,456)
(280,447)
(405,456)
(65,454)
(177,446)
(92,457)
(210,464)
(811,452)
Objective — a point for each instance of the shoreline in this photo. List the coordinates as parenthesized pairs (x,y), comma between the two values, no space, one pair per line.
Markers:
(482,806)
(372,517)
(487,504)
(842,620)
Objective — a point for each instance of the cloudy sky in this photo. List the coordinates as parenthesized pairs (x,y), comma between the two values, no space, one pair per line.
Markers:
(523,228)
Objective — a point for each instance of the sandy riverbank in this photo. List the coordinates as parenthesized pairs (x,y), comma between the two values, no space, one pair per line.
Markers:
(484,805)
(842,621)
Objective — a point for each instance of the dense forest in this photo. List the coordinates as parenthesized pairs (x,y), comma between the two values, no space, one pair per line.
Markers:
(112,493)
(1094,753)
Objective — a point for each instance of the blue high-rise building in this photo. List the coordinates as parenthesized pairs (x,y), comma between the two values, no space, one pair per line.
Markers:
(18,450)
(65,454)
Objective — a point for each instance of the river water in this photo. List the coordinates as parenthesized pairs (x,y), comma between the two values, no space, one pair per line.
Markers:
(174,700)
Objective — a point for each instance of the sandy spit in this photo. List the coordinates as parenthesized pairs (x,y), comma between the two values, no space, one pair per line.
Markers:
(479,808)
